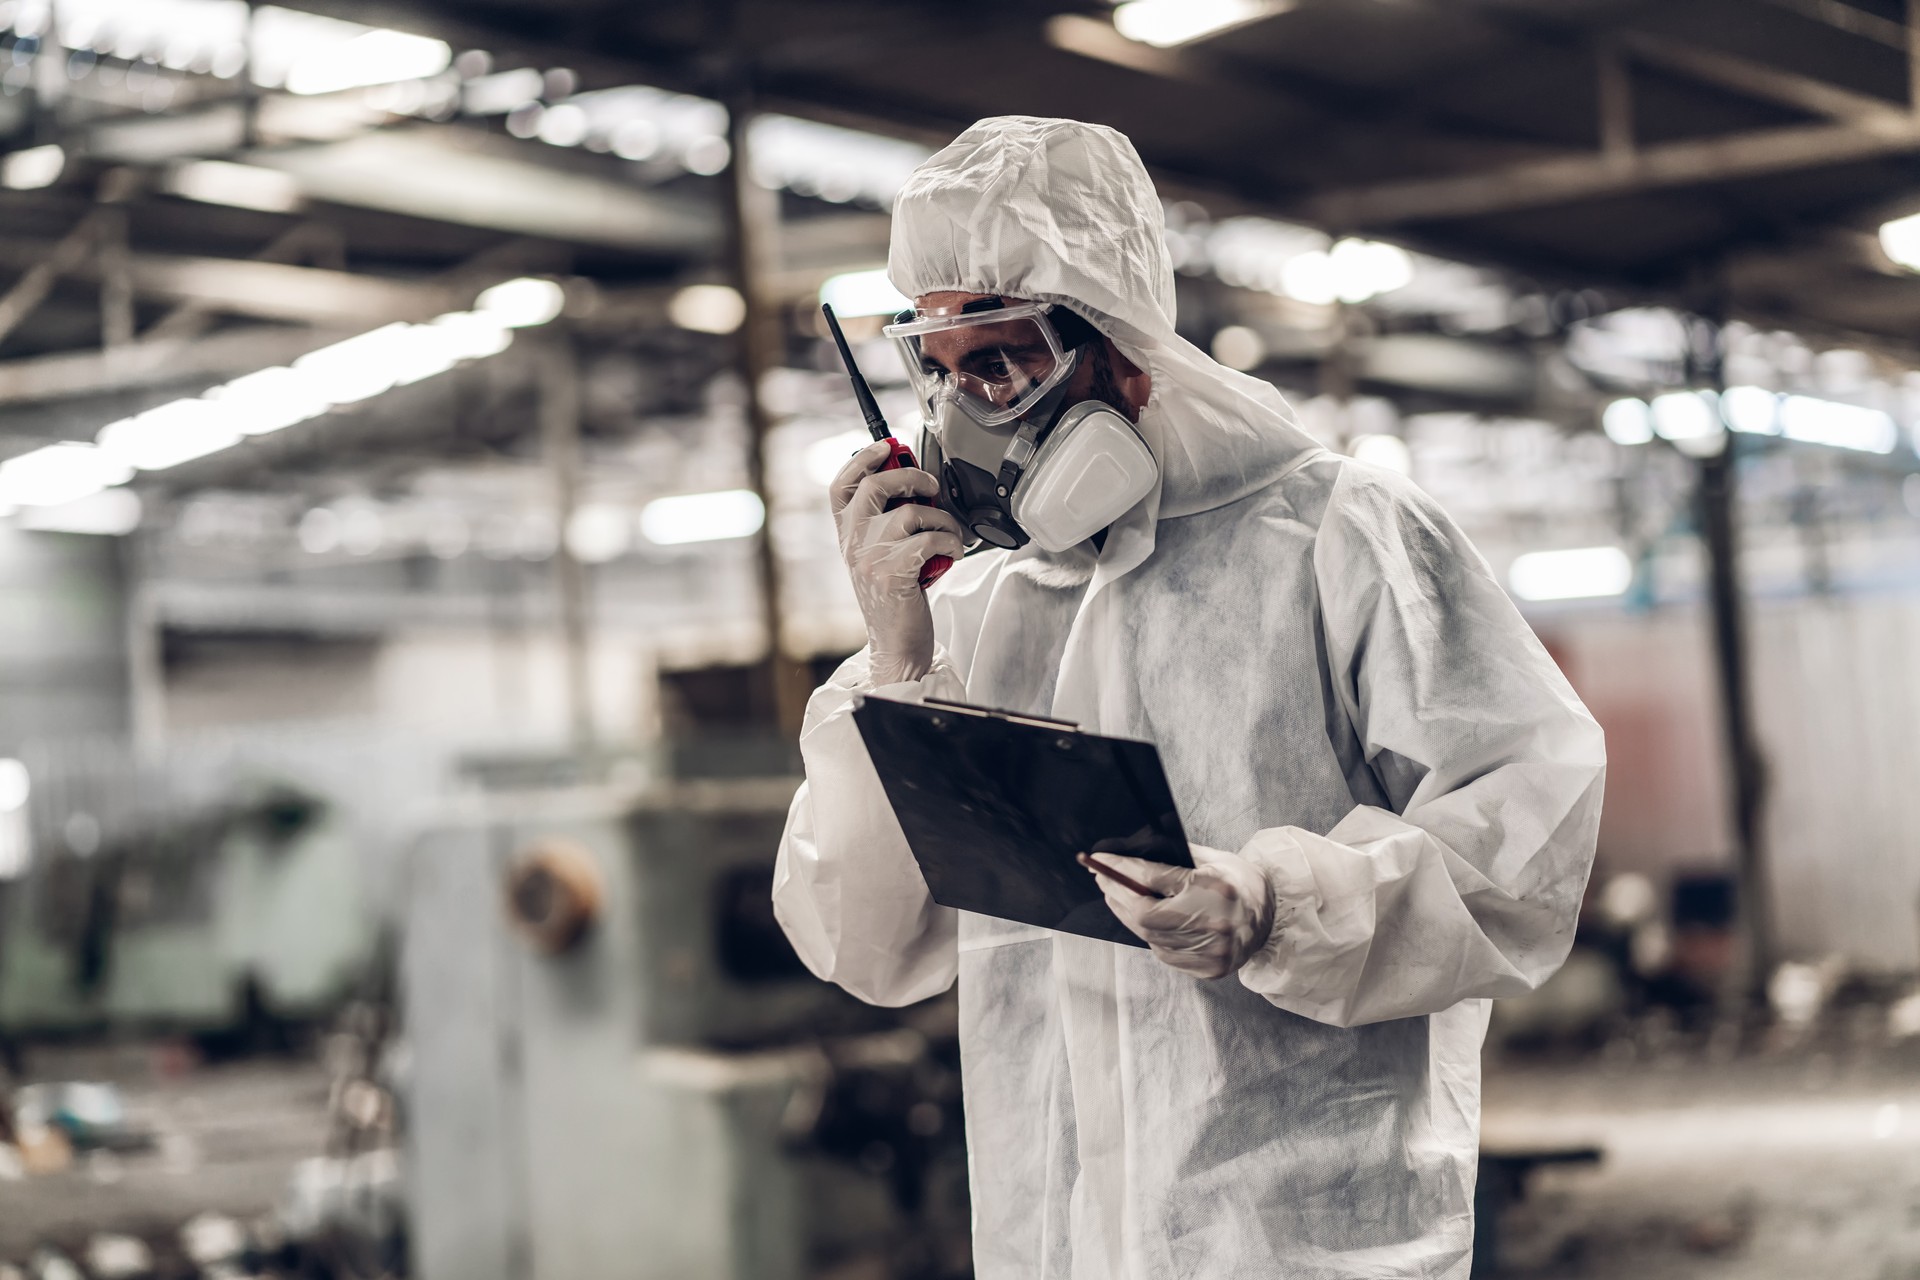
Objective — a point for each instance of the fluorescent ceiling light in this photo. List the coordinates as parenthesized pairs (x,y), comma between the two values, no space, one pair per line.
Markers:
(361,367)
(33,168)
(319,531)
(184,33)
(521,304)
(374,57)
(1239,347)
(1309,278)
(635,139)
(16,849)
(270,400)
(469,335)
(173,434)
(706,155)
(362,530)
(1627,421)
(1694,420)
(1686,415)
(244,186)
(565,125)
(1901,239)
(108,513)
(599,531)
(524,120)
(1365,269)
(345,373)
(397,355)
(863,293)
(1844,426)
(1586,573)
(707,308)
(1165,23)
(826,161)
(1351,271)
(702,517)
(15,785)
(497,94)
(1251,253)
(59,473)
(1754,410)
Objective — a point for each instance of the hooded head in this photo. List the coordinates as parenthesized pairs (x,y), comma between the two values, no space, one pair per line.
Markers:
(1063,212)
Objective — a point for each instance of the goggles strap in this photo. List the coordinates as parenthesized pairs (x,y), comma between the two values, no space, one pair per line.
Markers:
(1026,442)
(1018,455)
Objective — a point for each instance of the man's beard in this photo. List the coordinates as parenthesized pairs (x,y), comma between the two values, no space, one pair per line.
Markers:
(1106,387)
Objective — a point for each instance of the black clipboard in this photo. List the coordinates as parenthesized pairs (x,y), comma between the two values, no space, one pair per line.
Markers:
(995,805)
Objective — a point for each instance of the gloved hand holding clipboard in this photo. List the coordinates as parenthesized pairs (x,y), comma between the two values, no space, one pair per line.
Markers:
(997,805)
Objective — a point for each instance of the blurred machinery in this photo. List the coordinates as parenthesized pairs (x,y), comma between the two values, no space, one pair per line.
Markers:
(220,919)
(618,1067)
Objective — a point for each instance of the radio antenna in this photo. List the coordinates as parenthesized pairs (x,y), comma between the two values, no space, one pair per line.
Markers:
(862,393)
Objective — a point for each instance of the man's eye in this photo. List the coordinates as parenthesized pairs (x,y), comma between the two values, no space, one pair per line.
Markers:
(998,370)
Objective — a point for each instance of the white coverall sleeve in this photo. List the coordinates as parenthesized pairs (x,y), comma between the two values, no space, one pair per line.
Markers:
(845,887)
(1470,886)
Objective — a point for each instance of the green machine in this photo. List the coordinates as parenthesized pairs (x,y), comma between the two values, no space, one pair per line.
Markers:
(203,915)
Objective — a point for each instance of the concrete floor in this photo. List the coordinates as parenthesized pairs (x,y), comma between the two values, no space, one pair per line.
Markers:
(1801,1166)
(227,1138)
(1804,1166)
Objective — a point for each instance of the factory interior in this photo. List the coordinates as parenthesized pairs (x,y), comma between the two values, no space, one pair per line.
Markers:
(416,552)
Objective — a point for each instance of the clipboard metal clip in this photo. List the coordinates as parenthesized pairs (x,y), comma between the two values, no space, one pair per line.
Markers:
(1011,717)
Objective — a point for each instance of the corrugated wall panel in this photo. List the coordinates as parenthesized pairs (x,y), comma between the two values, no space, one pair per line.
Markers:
(1836,688)
(1837,699)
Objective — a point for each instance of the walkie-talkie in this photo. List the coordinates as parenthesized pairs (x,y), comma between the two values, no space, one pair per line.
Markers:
(900,456)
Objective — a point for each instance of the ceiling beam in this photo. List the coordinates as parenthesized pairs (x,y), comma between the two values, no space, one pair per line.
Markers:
(157,363)
(1765,83)
(193,317)
(454,22)
(276,291)
(1096,39)
(1537,184)
(269,290)
(469,177)
(1850,19)
(44,270)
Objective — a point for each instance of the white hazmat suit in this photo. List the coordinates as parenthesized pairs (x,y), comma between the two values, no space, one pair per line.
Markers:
(1342,696)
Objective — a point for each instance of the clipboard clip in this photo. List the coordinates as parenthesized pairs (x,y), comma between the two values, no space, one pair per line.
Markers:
(1011,717)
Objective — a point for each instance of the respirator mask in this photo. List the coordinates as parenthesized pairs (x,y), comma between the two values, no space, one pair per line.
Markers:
(1017,463)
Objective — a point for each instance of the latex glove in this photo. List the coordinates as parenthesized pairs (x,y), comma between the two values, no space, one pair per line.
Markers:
(885,550)
(1209,920)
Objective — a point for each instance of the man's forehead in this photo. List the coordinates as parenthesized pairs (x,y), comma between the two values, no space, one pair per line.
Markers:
(946,301)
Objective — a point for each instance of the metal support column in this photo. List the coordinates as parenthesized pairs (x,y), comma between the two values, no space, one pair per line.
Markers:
(146,664)
(1718,510)
(560,439)
(1913,55)
(754,224)
(116,279)
(1616,106)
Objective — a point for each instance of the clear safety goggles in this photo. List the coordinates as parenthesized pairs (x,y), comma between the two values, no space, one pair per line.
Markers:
(996,359)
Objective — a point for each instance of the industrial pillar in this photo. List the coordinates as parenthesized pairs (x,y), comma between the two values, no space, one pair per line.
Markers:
(1913,55)
(754,227)
(560,439)
(146,664)
(1718,497)
(116,279)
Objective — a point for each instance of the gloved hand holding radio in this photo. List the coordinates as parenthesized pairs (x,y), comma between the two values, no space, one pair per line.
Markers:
(1208,920)
(884,551)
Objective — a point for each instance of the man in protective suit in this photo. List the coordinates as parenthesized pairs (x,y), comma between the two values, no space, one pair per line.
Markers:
(1392,792)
